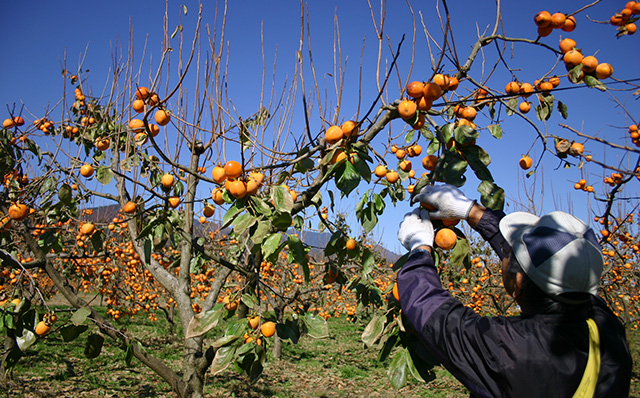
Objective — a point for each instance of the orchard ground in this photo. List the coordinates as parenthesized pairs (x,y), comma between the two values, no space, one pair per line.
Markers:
(339,366)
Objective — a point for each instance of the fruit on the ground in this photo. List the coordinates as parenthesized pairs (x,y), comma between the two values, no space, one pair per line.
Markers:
(445,239)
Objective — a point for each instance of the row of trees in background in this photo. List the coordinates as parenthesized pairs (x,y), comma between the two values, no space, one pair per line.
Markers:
(241,287)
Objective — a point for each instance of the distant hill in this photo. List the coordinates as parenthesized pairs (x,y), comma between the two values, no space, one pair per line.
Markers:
(316,240)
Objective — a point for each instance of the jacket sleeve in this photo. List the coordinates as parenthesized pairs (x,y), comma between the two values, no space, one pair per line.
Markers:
(489,228)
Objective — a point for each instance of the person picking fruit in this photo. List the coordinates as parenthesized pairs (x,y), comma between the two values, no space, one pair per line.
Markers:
(565,343)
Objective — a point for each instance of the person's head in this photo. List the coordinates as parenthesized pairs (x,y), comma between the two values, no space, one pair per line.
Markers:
(555,262)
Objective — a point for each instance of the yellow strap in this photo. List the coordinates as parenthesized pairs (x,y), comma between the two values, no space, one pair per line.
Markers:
(587,386)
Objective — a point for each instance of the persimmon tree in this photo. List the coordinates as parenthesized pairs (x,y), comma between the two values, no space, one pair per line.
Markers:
(172,151)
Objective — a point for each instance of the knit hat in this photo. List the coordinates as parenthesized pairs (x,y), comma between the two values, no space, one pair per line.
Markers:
(558,251)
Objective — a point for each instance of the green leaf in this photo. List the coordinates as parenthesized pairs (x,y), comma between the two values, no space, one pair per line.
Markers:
(409,136)
(347,178)
(460,254)
(564,111)
(225,341)
(250,301)
(374,330)
(426,133)
(316,326)
(223,358)
(26,339)
(447,132)
(231,214)
(491,195)
(592,81)
(296,249)
(282,221)
(478,159)
(398,368)
(452,169)
(465,134)
(80,316)
(287,333)
(65,194)
(368,261)
(282,199)
(271,244)
(511,105)
(204,321)
(304,165)
(94,345)
(260,232)
(495,130)
(244,222)
(575,74)
(433,147)
(104,175)
(260,206)
(128,355)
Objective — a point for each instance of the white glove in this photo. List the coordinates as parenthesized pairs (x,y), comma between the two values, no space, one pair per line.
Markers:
(416,230)
(449,202)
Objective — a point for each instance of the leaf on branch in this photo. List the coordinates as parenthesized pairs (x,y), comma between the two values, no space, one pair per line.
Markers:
(398,368)
(512,105)
(316,326)
(80,316)
(71,332)
(94,345)
(593,81)
(347,178)
(373,331)
(223,358)
(564,111)
(465,134)
(491,195)
(204,321)
(65,194)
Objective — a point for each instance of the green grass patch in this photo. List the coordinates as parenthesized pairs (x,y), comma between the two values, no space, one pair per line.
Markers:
(339,366)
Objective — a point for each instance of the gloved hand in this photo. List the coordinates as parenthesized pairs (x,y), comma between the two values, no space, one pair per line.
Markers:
(449,201)
(416,230)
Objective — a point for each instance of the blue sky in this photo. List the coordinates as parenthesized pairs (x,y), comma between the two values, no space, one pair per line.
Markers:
(37,34)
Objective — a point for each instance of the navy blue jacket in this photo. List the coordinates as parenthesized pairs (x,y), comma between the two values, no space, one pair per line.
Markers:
(541,355)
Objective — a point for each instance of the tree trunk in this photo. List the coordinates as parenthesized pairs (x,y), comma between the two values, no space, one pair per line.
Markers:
(277,341)
(195,365)
(9,346)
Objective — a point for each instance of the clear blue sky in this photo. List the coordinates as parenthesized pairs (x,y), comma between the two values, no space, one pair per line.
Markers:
(37,34)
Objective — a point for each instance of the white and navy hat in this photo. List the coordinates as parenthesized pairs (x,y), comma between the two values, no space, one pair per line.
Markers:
(558,251)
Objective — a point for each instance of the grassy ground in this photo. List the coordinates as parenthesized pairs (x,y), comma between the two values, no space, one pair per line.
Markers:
(336,367)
